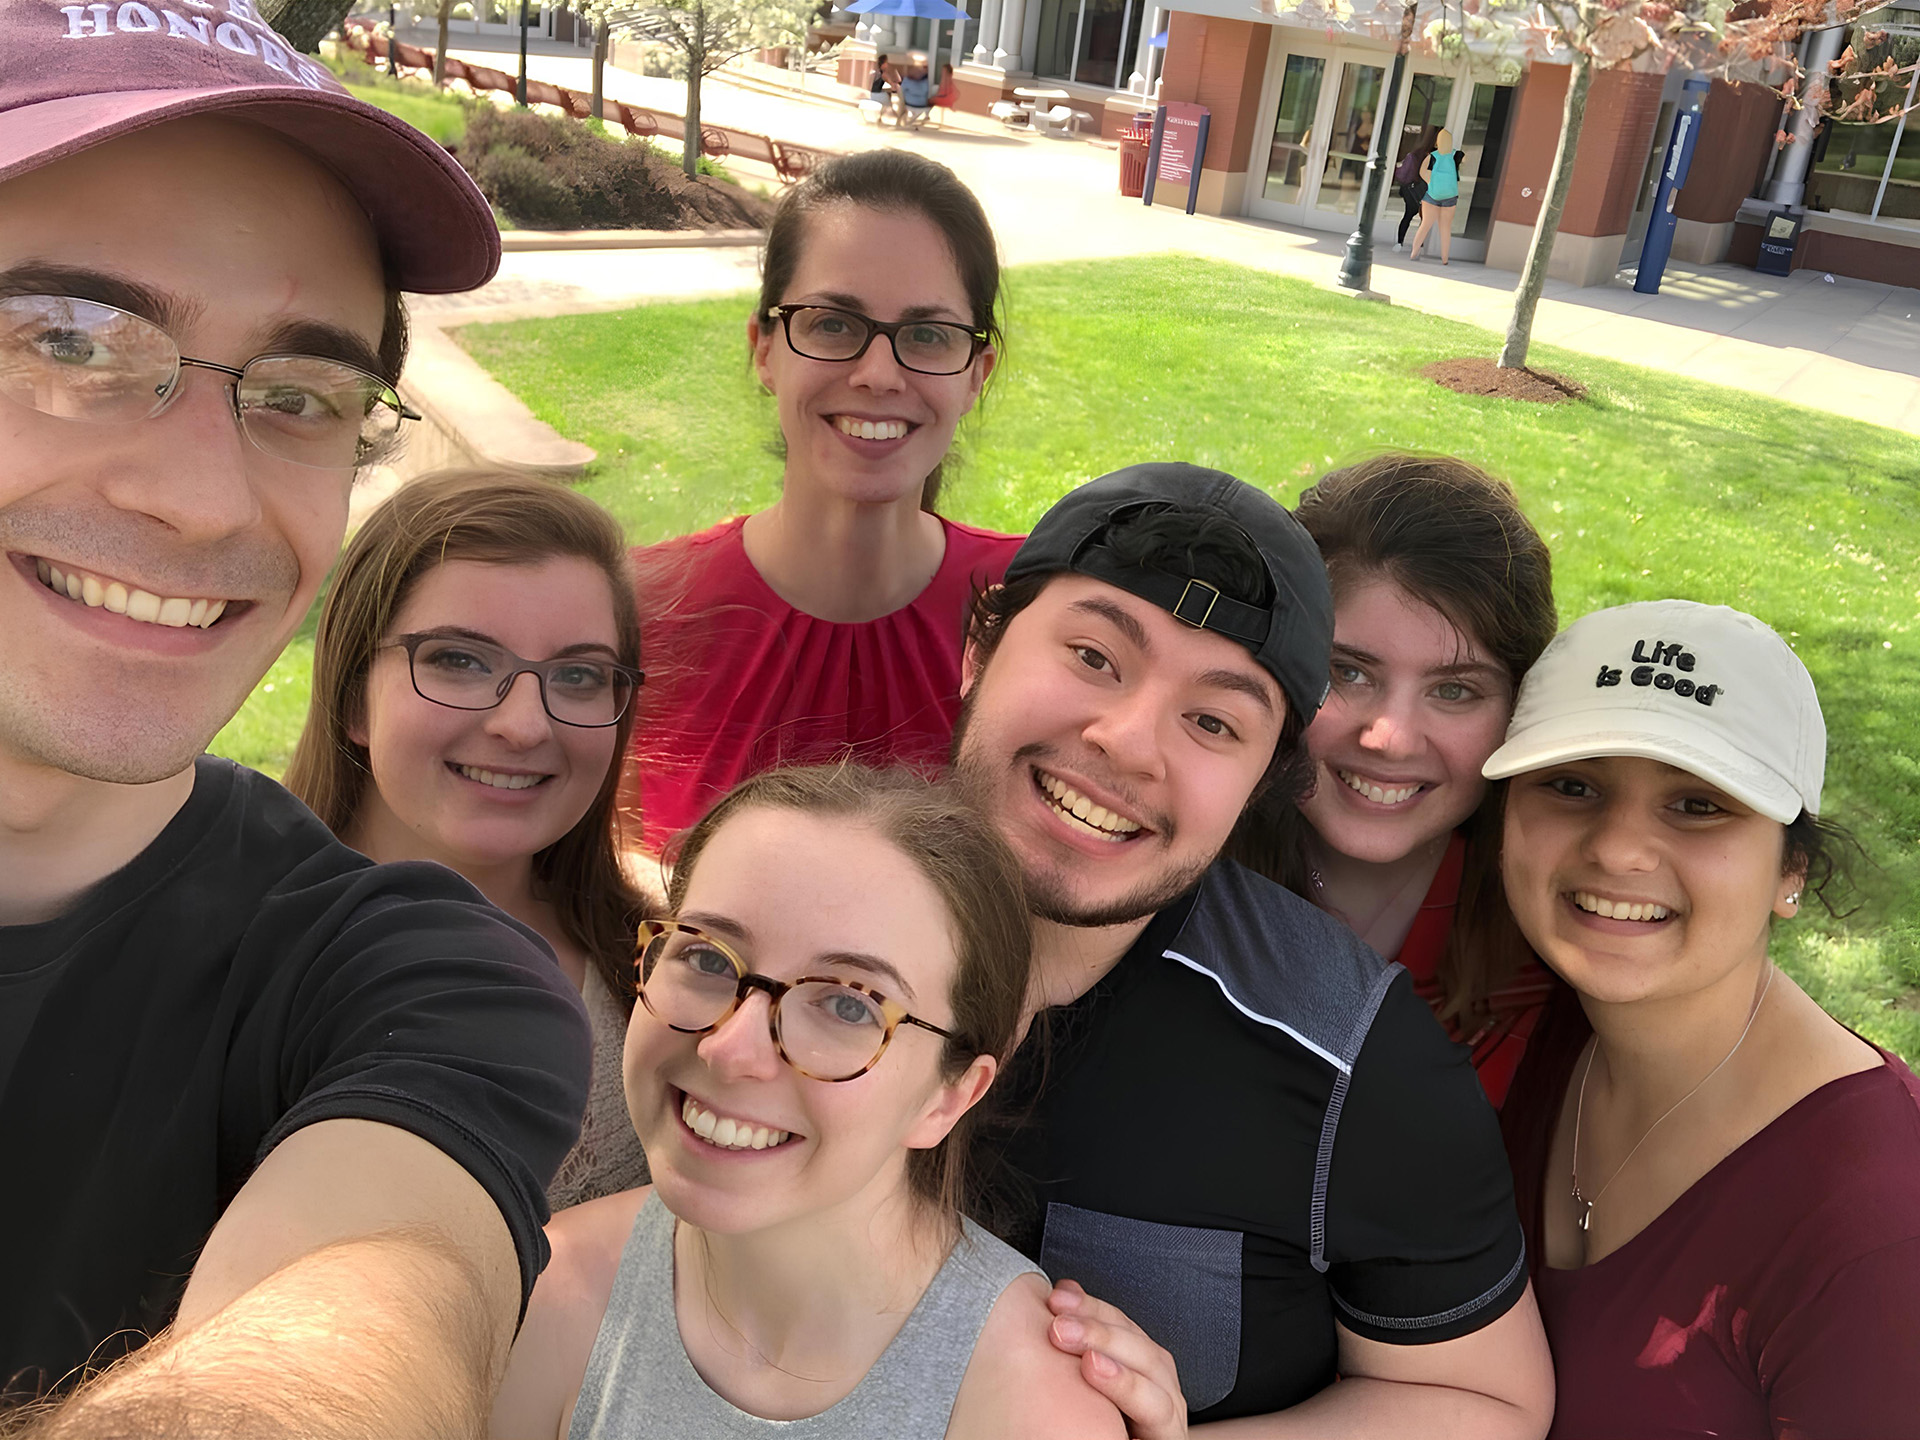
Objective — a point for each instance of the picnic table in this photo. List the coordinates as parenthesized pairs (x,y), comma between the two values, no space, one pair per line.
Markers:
(1040,102)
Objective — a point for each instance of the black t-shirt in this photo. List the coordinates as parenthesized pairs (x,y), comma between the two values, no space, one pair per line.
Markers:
(1250,1128)
(244,976)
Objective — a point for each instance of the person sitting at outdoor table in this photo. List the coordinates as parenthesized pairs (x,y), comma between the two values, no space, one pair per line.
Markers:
(831,622)
(429,738)
(1720,1184)
(1443,597)
(948,95)
(916,92)
(883,85)
(817,1026)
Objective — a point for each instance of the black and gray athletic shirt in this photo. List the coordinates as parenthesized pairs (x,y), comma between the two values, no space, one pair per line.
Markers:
(1251,1128)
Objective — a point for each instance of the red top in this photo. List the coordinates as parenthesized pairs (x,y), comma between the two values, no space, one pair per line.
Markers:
(1779,1296)
(739,681)
(1497,1044)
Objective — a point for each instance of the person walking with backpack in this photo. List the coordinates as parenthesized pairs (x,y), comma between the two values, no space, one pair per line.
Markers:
(1441,172)
(1411,189)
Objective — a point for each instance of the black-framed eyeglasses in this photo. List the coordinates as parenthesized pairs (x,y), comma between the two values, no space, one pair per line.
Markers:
(928,347)
(463,673)
(825,1027)
(80,360)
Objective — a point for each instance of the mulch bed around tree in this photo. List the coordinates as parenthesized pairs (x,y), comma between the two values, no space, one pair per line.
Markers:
(1479,376)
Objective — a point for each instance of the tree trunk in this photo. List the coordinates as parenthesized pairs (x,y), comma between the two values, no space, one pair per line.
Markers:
(1513,355)
(599,67)
(440,47)
(696,62)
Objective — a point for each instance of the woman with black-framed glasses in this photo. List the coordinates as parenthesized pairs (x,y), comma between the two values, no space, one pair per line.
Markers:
(474,673)
(830,622)
(845,973)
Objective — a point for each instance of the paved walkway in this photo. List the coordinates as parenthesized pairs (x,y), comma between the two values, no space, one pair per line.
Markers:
(1847,346)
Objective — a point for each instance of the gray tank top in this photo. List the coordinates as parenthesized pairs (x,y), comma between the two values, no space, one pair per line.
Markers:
(640,1384)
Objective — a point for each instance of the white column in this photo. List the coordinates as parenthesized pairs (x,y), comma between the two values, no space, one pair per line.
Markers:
(1789,183)
(1013,24)
(1143,52)
(903,32)
(959,45)
(989,31)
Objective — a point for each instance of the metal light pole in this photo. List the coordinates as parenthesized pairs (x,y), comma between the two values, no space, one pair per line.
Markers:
(1356,263)
(520,89)
(393,39)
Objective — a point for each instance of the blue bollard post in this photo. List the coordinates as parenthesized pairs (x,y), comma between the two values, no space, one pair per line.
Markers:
(1658,245)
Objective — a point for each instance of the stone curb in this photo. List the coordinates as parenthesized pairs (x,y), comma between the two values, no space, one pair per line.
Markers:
(512,240)
(472,419)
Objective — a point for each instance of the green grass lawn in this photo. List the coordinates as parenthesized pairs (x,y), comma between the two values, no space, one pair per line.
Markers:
(1653,486)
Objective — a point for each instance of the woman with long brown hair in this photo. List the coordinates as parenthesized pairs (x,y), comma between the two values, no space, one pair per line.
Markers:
(427,740)
(1443,597)
(829,623)
(844,974)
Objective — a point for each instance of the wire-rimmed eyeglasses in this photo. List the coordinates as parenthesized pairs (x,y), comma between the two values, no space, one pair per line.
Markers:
(927,347)
(466,673)
(825,1027)
(80,360)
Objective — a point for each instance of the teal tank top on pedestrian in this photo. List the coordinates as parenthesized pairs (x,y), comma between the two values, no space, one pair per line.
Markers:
(1444,183)
(640,1383)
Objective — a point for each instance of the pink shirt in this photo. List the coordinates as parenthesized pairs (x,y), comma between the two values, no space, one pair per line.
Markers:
(1779,1296)
(739,681)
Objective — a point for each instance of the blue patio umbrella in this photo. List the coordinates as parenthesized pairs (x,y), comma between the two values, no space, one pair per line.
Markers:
(1159,42)
(920,9)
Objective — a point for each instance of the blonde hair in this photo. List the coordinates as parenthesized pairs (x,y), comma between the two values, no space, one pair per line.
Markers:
(495,517)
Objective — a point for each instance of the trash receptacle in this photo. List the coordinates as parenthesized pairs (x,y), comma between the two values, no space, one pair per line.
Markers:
(1133,154)
(1778,241)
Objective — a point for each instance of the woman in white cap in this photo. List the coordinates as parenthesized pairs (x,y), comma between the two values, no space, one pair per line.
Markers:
(1721,1184)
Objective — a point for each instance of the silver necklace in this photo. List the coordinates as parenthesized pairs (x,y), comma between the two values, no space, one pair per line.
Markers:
(1579,1109)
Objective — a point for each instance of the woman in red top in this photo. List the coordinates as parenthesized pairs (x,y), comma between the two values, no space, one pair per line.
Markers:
(1443,596)
(1721,1185)
(830,624)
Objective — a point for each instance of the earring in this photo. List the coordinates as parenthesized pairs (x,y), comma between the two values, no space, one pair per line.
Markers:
(1794,899)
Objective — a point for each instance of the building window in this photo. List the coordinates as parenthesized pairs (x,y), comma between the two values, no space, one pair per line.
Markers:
(1089,41)
(1873,169)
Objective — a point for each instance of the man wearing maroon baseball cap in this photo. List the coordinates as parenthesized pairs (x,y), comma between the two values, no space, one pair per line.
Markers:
(289,1111)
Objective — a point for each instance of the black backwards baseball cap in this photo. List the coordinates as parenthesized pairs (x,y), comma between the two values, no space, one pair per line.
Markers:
(1292,638)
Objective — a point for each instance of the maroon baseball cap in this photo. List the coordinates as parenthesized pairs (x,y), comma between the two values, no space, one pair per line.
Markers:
(74,75)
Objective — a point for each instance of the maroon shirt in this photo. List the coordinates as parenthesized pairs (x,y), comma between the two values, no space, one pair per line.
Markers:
(1779,1296)
(739,681)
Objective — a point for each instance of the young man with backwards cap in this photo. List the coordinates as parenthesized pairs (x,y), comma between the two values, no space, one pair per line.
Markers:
(295,1109)
(1247,1150)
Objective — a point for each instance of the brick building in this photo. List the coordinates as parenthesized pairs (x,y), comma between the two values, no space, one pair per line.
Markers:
(1295,103)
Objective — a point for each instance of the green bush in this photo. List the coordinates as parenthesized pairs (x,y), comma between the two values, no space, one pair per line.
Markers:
(525,189)
(552,173)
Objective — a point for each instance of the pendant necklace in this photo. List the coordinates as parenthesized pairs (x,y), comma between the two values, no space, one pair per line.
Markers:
(1579,1109)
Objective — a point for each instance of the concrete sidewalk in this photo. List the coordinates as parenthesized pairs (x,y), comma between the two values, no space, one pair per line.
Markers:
(1847,346)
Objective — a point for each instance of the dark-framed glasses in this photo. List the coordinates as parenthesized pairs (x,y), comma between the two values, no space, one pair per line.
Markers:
(80,360)
(464,673)
(929,347)
(825,1027)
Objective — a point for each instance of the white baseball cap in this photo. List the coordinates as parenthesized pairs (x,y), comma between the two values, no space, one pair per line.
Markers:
(1704,688)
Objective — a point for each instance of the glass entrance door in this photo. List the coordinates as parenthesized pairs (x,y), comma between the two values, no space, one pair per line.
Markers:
(1483,135)
(1287,161)
(1356,108)
(1428,97)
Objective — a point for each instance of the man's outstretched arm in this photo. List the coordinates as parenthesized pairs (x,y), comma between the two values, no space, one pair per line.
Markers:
(362,1286)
